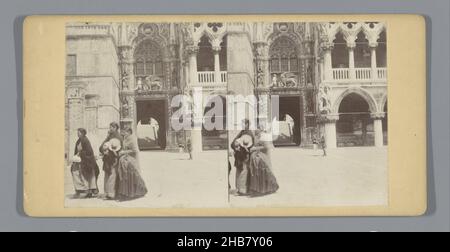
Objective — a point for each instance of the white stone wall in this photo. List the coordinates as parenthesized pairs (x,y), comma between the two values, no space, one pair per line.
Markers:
(97,68)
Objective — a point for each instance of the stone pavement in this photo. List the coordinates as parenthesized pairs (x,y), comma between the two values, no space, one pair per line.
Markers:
(346,177)
(173,181)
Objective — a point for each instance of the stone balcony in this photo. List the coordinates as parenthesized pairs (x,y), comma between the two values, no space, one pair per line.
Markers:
(89,30)
(211,80)
(359,75)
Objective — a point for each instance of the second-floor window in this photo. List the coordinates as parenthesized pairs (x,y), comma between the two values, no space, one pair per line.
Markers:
(283,56)
(148,58)
(71,65)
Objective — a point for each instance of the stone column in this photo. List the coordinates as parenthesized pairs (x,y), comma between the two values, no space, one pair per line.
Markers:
(216,50)
(240,67)
(172,140)
(328,64)
(351,60)
(320,73)
(373,51)
(196,132)
(263,78)
(264,108)
(127,85)
(173,87)
(127,79)
(304,141)
(76,99)
(127,110)
(329,122)
(193,79)
(378,128)
(240,60)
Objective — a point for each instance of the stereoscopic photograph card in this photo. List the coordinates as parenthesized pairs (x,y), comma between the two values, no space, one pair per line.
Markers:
(224,115)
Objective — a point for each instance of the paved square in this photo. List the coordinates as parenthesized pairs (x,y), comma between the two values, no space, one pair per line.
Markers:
(346,177)
(172,181)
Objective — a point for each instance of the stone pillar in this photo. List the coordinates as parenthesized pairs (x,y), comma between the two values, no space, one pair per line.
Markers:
(127,85)
(304,141)
(196,132)
(373,51)
(127,110)
(329,122)
(172,139)
(173,86)
(127,79)
(193,79)
(351,60)
(216,50)
(264,108)
(320,72)
(328,63)
(378,128)
(263,79)
(241,68)
(76,99)
(240,64)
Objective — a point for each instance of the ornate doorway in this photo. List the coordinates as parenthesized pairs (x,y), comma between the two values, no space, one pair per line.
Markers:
(290,118)
(151,124)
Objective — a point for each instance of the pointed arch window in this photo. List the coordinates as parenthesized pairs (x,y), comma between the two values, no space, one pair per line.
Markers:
(362,51)
(381,50)
(149,59)
(339,53)
(283,56)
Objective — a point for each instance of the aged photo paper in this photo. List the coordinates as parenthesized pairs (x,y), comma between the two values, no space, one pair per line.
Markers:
(224,115)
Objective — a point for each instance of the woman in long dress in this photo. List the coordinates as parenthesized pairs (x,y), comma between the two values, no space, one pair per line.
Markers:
(262,179)
(242,157)
(85,169)
(130,183)
(110,161)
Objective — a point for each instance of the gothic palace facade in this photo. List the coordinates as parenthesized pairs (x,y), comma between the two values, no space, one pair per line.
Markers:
(331,78)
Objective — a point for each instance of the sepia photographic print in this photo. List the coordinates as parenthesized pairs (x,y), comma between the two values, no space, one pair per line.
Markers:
(226,115)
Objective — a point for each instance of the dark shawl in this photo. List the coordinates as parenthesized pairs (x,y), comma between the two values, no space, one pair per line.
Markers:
(111,135)
(88,162)
(242,155)
(110,160)
(244,132)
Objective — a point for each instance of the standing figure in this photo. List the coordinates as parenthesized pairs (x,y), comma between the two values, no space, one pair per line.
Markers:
(125,108)
(189,149)
(274,80)
(130,183)
(323,145)
(242,157)
(324,100)
(84,169)
(110,161)
(125,80)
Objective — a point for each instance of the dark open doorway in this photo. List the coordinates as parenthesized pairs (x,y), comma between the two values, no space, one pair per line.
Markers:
(355,127)
(151,124)
(290,126)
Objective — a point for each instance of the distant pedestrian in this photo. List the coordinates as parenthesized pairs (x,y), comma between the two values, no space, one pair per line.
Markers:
(315,143)
(189,149)
(323,144)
